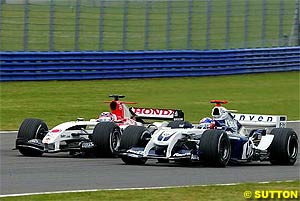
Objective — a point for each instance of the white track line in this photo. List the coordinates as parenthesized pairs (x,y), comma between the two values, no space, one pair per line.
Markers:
(140,188)
(3,132)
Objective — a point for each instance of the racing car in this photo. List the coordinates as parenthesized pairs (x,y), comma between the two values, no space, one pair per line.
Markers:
(225,138)
(100,137)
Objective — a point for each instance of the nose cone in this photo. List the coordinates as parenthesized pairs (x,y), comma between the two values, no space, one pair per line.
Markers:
(52,136)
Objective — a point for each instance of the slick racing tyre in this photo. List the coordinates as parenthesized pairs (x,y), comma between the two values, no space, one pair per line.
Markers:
(180,124)
(106,136)
(216,148)
(134,136)
(284,147)
(31,129)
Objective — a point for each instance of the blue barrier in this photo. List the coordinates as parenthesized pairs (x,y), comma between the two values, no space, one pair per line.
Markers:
(145,64)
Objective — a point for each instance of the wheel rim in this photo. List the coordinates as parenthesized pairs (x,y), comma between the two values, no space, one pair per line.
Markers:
(292,147)
(223,149)
(115,140)
(40,132)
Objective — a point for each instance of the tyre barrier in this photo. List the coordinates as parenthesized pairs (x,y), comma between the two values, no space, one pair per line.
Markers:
(88,65)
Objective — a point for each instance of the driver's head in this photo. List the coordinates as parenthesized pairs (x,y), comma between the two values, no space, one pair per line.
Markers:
(205,123)
(106,117)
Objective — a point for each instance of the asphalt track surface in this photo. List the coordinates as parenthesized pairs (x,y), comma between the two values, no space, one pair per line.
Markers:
(61,172)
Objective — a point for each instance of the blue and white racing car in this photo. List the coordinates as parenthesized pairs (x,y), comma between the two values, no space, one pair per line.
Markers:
(226,137)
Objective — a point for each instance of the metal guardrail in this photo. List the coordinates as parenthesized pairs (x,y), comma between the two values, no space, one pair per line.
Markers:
(145,64)
(105,25)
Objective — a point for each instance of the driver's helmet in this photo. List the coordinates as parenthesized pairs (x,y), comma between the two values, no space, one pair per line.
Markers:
(106,117)
(205,123)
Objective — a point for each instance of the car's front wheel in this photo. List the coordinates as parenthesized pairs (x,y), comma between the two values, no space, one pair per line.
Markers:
(134,136)
(215,147)
(30,129)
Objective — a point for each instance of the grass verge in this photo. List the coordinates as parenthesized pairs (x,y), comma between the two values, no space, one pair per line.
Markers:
(59,101)
(211,192)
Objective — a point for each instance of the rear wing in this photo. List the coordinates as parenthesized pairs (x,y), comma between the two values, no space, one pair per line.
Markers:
(278,121)
(162,114)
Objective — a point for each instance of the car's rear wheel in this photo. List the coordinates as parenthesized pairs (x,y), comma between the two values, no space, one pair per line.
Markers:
(106,136)
(284,147)
(31,128)
(215,146)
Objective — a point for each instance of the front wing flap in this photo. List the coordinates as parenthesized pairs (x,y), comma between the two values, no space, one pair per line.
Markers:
(34,144)
(138,152)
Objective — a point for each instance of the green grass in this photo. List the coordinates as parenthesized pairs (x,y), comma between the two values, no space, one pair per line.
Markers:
(12,27)
(60,101)
(213,192)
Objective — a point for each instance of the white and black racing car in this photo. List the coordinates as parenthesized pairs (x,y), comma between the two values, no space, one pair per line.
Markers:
(99,137)
(225,138)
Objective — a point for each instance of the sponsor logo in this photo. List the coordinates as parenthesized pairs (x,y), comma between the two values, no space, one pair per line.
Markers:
(153,112)
(55,131)
(87,145)
(254,118)
(181,155)
(34,141)
(165,136)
